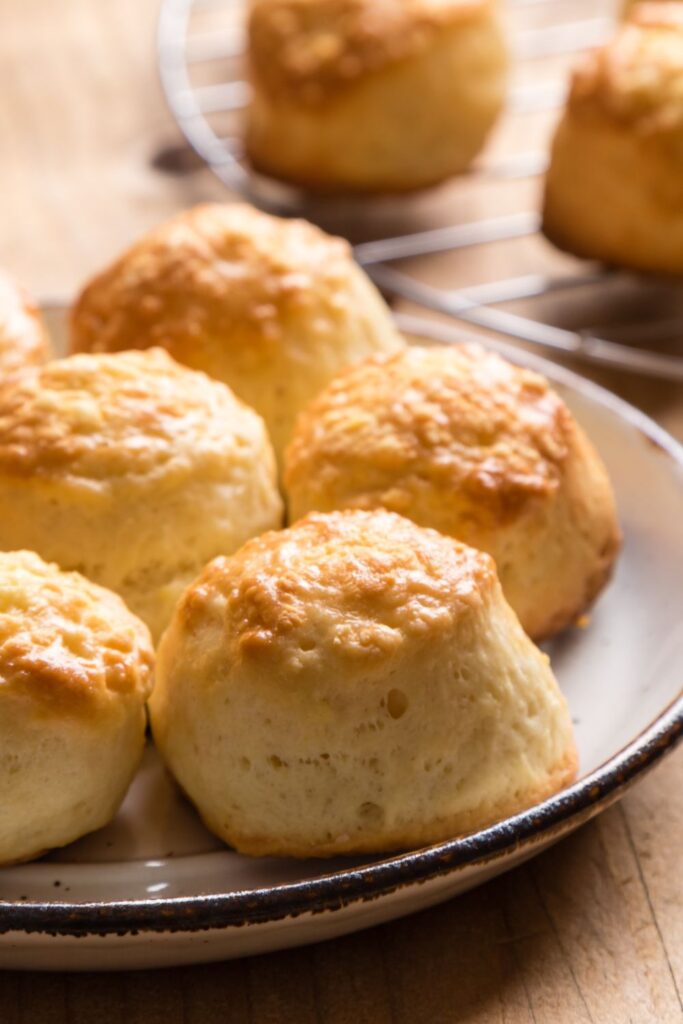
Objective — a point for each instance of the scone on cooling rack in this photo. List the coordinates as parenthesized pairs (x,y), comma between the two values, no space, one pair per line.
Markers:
(23,338)
(133,470)
(460,440)
(75,672)
(355,684)
(614,188)
(272,307)
(358,95)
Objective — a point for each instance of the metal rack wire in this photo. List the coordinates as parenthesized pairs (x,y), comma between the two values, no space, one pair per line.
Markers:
(200,50)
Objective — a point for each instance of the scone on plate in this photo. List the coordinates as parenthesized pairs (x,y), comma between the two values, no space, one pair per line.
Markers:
(24,340)
(272,307)
(355,684)
(134,471)
(75,672)
(358,95)
(614,187)
(460,440)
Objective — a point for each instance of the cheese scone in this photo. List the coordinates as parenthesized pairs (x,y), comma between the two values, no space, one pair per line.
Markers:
(134,471)
(362,95)
(272,307)
(614,187)
(355,684)
(75,672)
(459,439)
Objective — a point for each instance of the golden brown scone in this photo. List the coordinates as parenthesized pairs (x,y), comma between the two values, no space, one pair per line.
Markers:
(132,470)
(355,684)
(614,188)
(272,307)
(75,672)
(23,338)
(462,441)
(372,96)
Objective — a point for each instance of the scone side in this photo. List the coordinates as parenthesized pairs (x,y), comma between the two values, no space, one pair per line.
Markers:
(457,827)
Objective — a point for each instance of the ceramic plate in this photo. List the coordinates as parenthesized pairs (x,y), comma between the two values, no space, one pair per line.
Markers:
(154,888)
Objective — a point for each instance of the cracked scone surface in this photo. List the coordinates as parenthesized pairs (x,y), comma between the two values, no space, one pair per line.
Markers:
(361,95)
(355,683)
(23,338)
(460,440)
(132,470)
(272,307)
(614,187)
(75,672)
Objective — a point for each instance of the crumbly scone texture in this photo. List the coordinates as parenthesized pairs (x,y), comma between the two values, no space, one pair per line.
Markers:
(460,440)
(366,96)
(75,671)
(23,338)
(309,50)
(133,470)
(614,187)
(355,683)
(272,307)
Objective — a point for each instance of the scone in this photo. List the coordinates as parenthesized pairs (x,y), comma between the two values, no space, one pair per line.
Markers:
(274,308)
(358,95)
(460,440)
(75,672)
(132,470)
(614,187)
(23,338)
(355,684)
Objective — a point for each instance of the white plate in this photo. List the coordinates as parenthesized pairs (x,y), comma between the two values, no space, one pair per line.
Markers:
(154,888)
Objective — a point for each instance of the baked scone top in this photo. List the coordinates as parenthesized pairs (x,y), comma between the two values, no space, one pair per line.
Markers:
(104,417)
(638,76)
(66,644)
(311,49)
(457,420)
(349,586)
(23,339)
(207,272)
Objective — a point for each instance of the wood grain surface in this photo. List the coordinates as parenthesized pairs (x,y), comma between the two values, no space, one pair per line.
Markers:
(590,931)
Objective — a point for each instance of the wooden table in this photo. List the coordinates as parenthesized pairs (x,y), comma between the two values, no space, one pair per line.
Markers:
(592,930)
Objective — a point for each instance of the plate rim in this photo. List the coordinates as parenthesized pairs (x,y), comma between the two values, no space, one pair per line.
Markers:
(340,889)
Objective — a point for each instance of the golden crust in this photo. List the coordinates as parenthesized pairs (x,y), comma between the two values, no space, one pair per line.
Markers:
(272,307)
(66,644)
(637,78)
(23,338)
(356,584)
(462,441)
(205,272)
(133,470)
(87,417)
(463,421)
(311,51)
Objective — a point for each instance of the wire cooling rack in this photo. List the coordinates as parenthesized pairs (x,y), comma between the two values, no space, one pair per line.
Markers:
(601,315)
